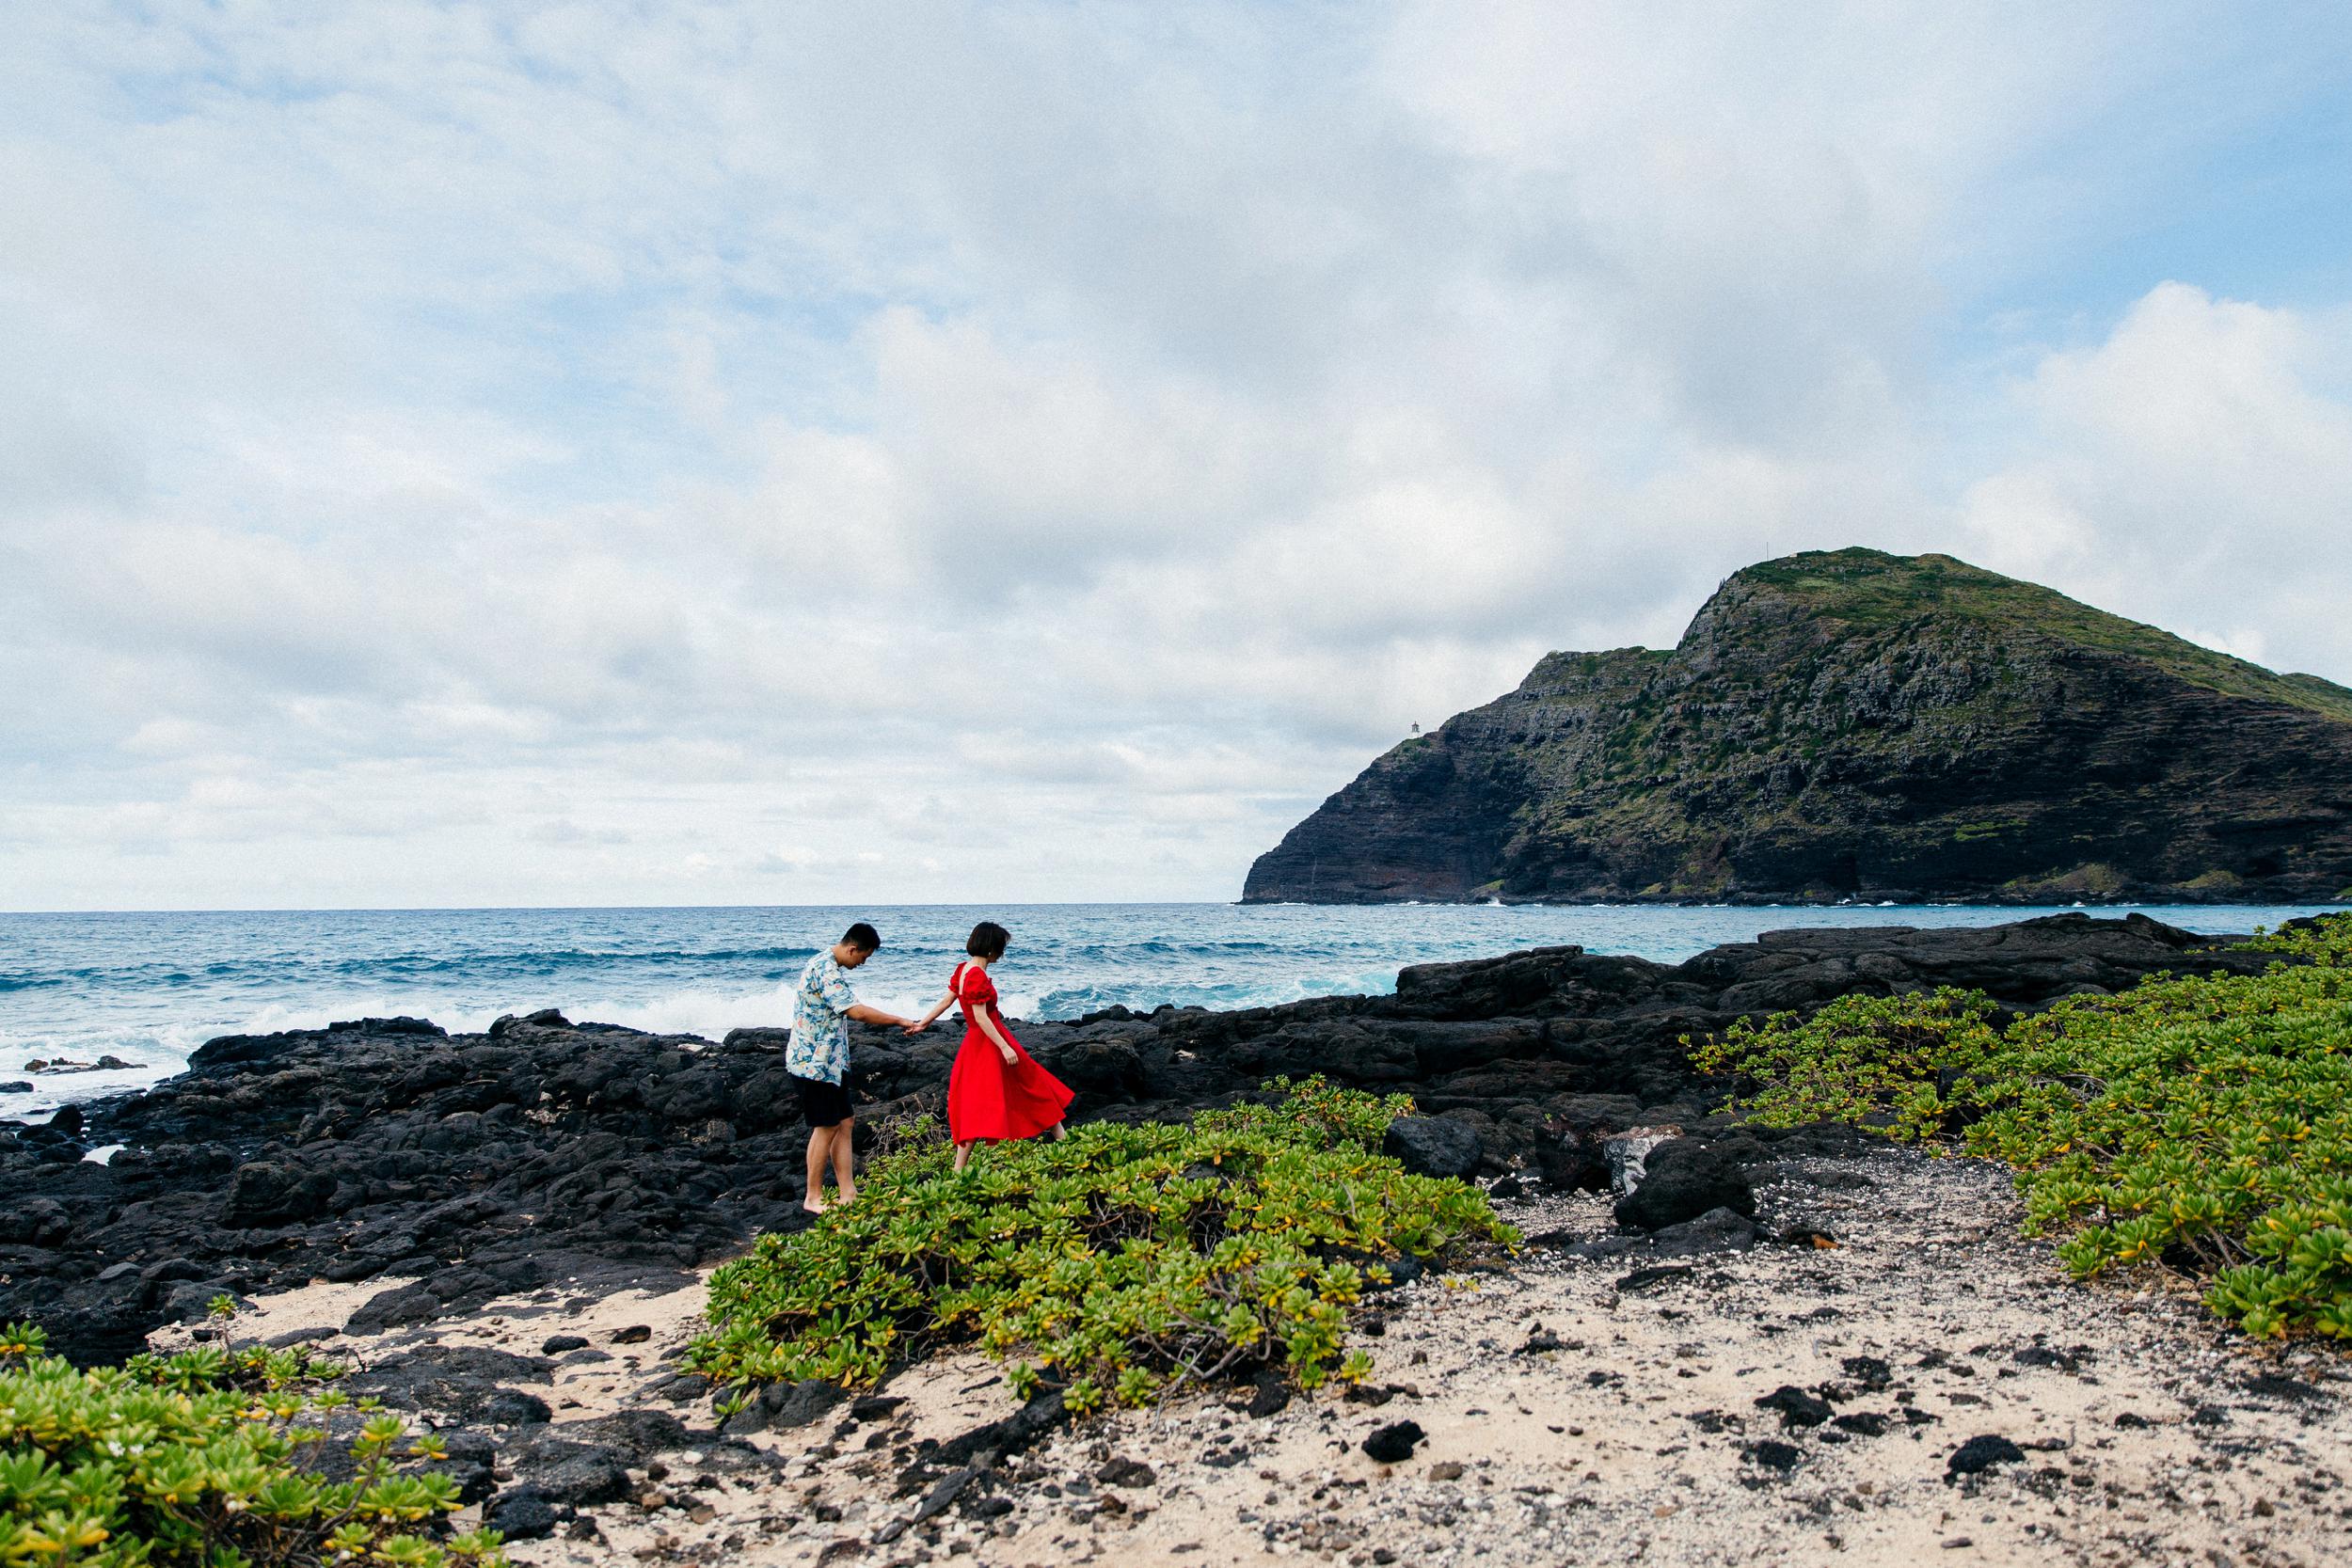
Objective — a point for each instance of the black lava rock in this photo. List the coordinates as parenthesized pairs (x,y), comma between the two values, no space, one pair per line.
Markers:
(567,1472)
(1685,1179)
(1432,1146)
(1126,1472)
(521,1515)
(1869,1370)
(1717,1231)
(1649,1279)
(42,1220)
(1981,1453)
(1797,1409)
(1394,1444)
(469,1462)
(558,1343)
(465,1381)
(266,1193)
(781,1406)
(1573,1163)
(511,1407)
(1271,1396)
(635,1433)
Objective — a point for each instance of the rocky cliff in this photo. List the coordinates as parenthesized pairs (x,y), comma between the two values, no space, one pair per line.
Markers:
(1851,725)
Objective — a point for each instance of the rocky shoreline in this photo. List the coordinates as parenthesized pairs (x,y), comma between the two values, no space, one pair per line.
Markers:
(471,1166)
(472,1216)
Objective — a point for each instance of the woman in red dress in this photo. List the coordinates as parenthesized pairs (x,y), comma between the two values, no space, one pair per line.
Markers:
(996,1090)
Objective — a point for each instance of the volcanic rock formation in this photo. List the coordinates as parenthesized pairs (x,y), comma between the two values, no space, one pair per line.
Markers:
(1851,725)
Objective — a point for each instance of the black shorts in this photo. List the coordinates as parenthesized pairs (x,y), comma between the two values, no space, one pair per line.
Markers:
(822,1104)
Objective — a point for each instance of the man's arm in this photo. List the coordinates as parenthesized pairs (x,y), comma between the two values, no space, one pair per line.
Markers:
(865,1014)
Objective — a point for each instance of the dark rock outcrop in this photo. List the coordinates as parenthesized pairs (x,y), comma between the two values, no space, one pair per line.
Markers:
(1432,1146)
(1395,1444)
(455,1169)
(1980,1454)
(1686,1177)
(521,1514)
(1855,725)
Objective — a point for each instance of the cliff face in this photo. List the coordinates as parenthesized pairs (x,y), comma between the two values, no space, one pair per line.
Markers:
(1851,725)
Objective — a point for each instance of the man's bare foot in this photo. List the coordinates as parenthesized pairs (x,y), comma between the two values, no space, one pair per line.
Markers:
(849,1195)
(813,1205)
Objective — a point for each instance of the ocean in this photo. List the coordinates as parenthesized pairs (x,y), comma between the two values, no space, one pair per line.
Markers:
(148,989)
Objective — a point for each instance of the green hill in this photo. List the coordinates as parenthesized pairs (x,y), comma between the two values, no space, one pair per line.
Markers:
(1854,724)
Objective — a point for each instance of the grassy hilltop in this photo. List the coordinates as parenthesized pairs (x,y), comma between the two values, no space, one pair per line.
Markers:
(1855,724)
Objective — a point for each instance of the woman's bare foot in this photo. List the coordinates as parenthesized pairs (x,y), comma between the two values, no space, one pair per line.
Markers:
(847,1196)
(813,1205)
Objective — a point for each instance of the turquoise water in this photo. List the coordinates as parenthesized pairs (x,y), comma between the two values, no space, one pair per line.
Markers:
(150,988)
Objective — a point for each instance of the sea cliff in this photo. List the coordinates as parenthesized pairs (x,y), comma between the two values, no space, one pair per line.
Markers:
(1856,725)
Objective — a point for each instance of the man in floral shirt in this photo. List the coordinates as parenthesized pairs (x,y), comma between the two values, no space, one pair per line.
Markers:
(818,1057)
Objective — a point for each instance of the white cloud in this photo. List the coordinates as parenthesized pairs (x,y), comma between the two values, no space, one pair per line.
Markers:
(2190,469)
(731,452)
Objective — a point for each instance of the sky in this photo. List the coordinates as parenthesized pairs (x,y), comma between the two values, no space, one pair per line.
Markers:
(741,454)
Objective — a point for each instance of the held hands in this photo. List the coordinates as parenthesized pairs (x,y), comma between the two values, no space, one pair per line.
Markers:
(914,1025)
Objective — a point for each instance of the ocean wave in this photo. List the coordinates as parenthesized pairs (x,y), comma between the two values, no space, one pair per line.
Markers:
(555,960)
(148,989)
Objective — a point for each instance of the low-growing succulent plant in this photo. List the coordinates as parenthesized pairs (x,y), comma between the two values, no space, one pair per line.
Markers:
(195,1459)
(2203,1122)
(1118,1265)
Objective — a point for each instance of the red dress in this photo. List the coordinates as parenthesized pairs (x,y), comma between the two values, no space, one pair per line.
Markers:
(987,1096)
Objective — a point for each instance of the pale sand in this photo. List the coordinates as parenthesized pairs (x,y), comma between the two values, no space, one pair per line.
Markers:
(1580,1454)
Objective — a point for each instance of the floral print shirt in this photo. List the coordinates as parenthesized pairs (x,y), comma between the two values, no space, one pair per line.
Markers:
(820,1040)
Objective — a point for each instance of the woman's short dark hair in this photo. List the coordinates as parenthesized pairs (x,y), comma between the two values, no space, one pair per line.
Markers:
(987,940)
(862,937)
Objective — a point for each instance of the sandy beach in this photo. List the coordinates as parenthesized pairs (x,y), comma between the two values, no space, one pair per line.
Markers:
(1574,1410)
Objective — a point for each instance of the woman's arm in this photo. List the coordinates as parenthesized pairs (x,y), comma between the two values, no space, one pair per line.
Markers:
(932,1017)
(988,1027)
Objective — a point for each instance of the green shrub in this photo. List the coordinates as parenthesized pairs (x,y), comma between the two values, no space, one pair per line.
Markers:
(2202,1121)
(1874,1061)
(194,1459)
(1118,1264)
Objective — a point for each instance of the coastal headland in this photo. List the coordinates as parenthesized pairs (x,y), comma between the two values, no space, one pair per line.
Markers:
(508,1232)
(1853,725)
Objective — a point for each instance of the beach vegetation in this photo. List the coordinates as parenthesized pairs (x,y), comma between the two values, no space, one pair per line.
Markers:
(2198,1123)
(1117,1265)
(199,1458)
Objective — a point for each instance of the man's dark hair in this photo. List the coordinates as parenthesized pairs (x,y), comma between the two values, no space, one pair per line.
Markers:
(862,937)
(987,940)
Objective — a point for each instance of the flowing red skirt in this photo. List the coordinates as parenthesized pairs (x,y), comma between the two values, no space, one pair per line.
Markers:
(989,1098)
